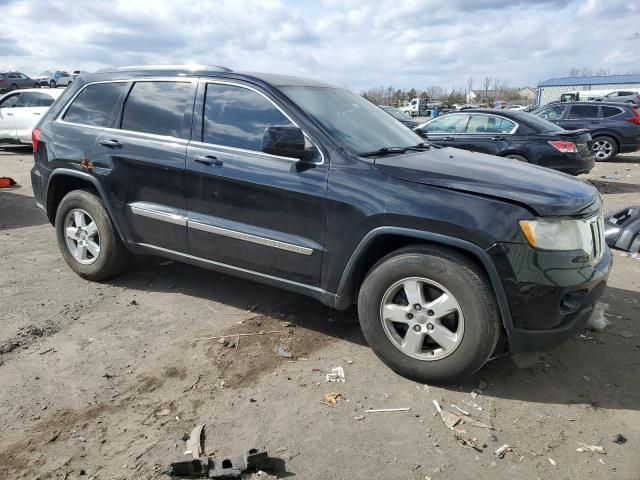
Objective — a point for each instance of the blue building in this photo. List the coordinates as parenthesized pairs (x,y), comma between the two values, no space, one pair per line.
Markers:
(551,90)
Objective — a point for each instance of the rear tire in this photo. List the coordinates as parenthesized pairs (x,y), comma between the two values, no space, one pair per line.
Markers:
(36,85)
(447,282)
(95,251)
(519,158)
(52,84)
(604,148)
(13,87)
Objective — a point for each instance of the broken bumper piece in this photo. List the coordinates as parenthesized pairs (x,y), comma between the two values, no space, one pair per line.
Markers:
(225,467)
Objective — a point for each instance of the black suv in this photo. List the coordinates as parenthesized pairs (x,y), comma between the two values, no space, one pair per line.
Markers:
(614,127)
(312,188)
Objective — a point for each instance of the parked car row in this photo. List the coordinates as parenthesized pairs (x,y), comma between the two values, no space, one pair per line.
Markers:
(15,80)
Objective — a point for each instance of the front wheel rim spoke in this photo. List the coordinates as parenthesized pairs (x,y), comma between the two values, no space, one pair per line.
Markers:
(412,342)
(78,218)
(395,313)
(71,232)
(81,253)
(443,306)
(413,291)
(91,229)
(444,337)
(94,248)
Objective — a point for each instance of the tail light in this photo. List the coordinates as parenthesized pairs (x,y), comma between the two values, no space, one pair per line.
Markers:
(636,118)
(35,136)
(564,147)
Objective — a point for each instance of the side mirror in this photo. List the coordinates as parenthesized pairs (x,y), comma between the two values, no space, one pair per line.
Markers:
(421,131)
(285,142)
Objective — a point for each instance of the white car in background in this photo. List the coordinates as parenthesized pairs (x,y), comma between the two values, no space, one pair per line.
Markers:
(20,111)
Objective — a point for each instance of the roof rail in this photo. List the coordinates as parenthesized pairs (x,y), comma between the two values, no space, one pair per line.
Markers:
(193,67)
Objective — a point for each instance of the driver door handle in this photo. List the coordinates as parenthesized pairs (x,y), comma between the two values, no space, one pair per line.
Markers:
(447,139)
(497,139)
(208,160)
(111,143)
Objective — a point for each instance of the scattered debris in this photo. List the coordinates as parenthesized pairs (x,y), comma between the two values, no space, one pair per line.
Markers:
(164,263)
(332,398)
(336,375)
(620,439)
(464,412)
(226,467)
(472,404)
(598,321)
(383,410)
(450,419)
(586,378)
(590,448)
(552,461)
(162,413)
(503,450)
(238,335)
(194,444)
(475,392)
(477,423)
(282,352)
(626,334)
(193,385)
(47,351)
(359,417)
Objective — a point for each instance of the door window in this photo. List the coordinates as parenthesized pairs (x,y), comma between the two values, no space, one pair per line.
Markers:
(447,124)
(95,105)
(553,114)
(489,124)
(10,102)
(237,117)
(33,99)
(157,108)
(583,111)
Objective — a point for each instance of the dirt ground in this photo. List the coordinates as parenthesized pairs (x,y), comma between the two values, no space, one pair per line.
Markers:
(103,380)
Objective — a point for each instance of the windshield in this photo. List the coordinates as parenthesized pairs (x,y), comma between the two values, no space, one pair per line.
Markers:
(394,112)
(544,126)
(357,123)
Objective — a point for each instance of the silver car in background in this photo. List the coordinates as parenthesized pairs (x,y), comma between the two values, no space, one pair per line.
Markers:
(622,96)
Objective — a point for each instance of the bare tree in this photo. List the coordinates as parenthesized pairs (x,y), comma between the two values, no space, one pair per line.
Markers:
(486,82)
(575,72)
(469,88)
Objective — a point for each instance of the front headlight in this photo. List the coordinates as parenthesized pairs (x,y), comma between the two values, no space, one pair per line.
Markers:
(552,234)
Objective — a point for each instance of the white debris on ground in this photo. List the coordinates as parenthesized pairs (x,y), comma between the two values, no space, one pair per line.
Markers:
(598,321)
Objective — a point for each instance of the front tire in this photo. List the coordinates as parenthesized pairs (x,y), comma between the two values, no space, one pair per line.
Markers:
(429,314)
(87,237)
(519,158)
(13,87)
(52,84)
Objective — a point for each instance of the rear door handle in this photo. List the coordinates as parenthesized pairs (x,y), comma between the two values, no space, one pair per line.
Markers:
(447,139)
(208,160)
(497,139)
(37,113)
(111,143)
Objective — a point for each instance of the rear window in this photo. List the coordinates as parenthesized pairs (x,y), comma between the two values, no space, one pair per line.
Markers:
(583,111)
(610,111)
(95,105)
(157,108)
(489,124)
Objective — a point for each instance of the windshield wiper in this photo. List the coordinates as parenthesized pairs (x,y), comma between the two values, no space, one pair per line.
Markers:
(384,151)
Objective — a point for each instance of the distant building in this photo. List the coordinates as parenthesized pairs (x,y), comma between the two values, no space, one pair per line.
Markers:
(551,90)
(527,93)
(481,95)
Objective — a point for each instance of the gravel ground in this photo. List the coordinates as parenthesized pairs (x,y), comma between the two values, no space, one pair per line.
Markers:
(102,380)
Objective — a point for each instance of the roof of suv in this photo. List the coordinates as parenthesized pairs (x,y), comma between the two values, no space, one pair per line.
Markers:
(207,70)
(607,104)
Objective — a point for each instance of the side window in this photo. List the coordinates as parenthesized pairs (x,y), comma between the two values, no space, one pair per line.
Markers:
(95,105)
(10,102)
(13,75)
(552,113)
(447,124)
(157,108)
(489,124)
(33,99)
(583,111)
(612,94)
(236,117)
(609,111)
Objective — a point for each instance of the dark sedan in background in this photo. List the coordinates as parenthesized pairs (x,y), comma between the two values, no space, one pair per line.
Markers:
(513,134)
(614,127)
(400,116)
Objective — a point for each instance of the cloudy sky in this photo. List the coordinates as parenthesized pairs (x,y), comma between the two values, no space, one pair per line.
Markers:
(354,43)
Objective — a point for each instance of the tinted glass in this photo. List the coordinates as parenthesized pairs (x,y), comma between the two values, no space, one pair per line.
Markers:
(540,124)
(10,102)
(552,113)
(447,124)
(352,120)
(33,99)
(95,105)
(236,117)
(583,111)
(489,124)
(395,113)
(157,107)
(13,75)
(610,111)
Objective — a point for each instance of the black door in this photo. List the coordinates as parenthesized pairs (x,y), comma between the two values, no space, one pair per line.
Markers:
(581,116)
(553,113)
(248,209)
(445,130)
(487,133)
(145,157)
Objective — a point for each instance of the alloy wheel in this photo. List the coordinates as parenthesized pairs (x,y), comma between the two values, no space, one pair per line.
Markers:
(422,318)
(602,149)
(82,236)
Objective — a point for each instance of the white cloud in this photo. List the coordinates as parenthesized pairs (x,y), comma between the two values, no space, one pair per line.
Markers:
(354,43)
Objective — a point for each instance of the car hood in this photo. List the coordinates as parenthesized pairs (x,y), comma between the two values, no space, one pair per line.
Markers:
(547,192)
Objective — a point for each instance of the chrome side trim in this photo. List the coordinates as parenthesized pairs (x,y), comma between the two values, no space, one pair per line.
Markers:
(164,217)
(225,232)
(253,273)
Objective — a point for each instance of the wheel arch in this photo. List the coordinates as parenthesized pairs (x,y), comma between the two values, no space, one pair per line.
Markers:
(515,151)
(63,181)
(384,240)
(607,133)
